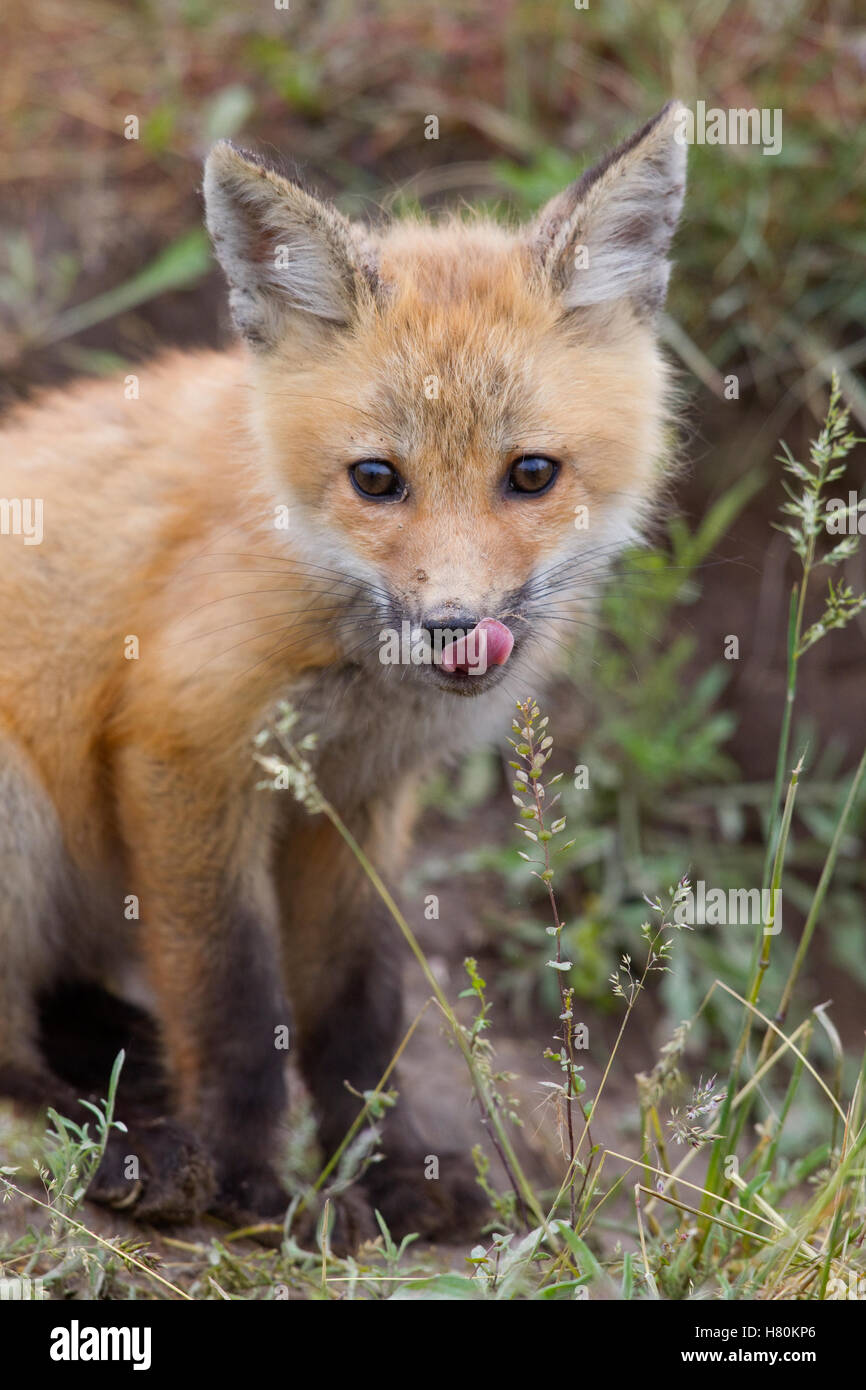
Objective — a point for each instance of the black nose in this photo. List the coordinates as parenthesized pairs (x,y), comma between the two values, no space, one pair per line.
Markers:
(459,623)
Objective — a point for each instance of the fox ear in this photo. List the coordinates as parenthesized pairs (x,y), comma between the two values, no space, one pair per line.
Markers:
(606,237)
(281,249)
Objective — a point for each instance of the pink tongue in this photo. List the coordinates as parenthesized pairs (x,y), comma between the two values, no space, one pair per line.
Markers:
(488,644)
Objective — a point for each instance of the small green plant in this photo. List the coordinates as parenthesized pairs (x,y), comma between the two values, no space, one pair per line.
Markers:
(72,1155)
(810,519)
(63,1248)
(533,747)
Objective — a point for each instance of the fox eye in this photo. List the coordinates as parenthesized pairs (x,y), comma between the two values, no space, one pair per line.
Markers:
(532,473)
(376,478)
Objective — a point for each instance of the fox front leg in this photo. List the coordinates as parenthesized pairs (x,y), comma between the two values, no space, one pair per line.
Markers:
(198,858)
(345,959)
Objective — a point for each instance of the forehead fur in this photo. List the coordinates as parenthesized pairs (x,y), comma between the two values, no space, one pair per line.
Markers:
(458,331)
(451,261)
(469,353)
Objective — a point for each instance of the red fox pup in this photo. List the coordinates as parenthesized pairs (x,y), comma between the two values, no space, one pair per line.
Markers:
(386,506)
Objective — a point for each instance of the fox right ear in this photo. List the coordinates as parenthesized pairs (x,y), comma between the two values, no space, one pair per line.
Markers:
(606,237)
(282,250)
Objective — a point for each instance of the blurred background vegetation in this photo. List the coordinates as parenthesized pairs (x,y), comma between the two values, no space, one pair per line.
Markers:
(104,261)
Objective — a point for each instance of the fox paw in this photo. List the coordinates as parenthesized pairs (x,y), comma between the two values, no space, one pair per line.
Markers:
(350,1221)
(251,1196)
(446,1205)
(157,1171)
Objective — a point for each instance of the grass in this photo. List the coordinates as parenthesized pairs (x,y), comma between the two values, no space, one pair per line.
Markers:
(747,1212)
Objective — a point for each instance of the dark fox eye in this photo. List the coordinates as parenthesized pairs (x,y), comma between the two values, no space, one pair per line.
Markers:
(532,473)
(376,478)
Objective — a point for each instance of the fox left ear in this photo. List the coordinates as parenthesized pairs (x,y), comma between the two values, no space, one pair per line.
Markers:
(606,237)
(283,251)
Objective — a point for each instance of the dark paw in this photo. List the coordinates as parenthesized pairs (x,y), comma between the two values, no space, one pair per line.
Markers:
(451,1204)
(157,1172)
(350,1221)
(250,1197)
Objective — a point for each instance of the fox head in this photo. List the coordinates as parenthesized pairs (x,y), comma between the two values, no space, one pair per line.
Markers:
(467,421)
